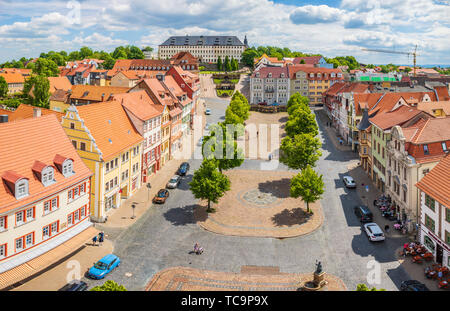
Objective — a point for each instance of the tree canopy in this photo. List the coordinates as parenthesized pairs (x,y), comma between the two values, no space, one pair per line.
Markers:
(109,286)
(208,183)
(300,151)
(308,185)
(301,121)
(3,87)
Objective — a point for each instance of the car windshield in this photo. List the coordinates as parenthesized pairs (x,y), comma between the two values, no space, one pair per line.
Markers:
(161,194)
(173,180)
(100,265)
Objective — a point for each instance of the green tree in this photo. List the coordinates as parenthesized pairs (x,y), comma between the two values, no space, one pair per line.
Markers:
(11,102)
(135,53)
(300,121)
(46,67)
(232,118)
(307,185)
(297,101)
(208,183)
(300,151)
(3,87)
(240,108)
(147,49)
(302,61)
(364,288)
(226,64)
(219,63)
(228,155)
(248,57)
(36,91)
(85,52)
(75,55)
(109,286)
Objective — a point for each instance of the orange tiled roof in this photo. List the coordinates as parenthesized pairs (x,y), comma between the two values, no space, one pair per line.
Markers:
(431,130)
(140,104)
(94,92)
(386,120)
(59,83)
(13,77)
(26,111)
(60,95)
(389,100)
(442,92)
(368,99)
(429,107)
(108,123)
(436,182)
(37,139)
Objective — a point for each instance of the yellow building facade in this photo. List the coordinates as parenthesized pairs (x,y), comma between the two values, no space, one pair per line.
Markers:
(110,147)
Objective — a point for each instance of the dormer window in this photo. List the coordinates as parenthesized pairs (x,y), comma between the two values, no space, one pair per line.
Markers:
(67,168)
(21,188)
(48,175)
(270,75)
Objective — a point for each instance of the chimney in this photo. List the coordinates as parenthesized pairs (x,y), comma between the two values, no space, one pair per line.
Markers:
(3,118)
(37,112)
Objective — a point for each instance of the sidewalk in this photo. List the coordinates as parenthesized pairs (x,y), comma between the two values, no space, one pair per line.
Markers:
(367,198)
(55,276)
(331,131)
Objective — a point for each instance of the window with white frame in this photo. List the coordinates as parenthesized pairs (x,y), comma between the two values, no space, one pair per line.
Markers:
(19,244)
(3,251)
(20,217)
(29,240)
(51,205)
(21,188)
(68,168)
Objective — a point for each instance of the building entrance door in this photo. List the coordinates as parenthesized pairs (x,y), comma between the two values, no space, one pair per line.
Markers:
(439,254)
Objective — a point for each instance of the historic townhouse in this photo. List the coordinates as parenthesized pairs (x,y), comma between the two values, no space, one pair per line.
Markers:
(382,125)
(266,61)
(44,198)
(412,152)
(205,48)
(14,80)
(188,82)
(165,136)
(185,61)
(160,93)
(146,118)
(270,85)
(111,147)
(318,80)
(184,101)
(435,211)
(365,141)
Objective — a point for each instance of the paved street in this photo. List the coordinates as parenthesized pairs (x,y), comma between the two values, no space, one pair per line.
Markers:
(165,235)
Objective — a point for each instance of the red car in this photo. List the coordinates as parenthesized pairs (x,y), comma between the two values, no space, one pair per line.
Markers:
(161,196)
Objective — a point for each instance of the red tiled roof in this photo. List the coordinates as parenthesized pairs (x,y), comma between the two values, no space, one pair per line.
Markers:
(389,100)
(275,71)
(59,83)
(308,60)
(399,116)
(13,77)
(26,111)
(94,92)
(108,123)
(442,92)
(436,182)
(23,143)
(140,104)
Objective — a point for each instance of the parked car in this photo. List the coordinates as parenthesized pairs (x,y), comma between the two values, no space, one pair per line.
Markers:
(363,213)
(183,169)
(413,286)
(208,111)
(161,196)
(374,232)
(104,266)
(174,182)
(349,182)
(75,286)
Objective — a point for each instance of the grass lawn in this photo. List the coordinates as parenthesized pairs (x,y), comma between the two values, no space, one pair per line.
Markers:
(218,81)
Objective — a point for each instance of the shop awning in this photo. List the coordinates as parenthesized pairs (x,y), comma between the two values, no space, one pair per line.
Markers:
(41,262)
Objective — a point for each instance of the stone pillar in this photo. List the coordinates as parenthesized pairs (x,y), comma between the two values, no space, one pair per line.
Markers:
(319,279)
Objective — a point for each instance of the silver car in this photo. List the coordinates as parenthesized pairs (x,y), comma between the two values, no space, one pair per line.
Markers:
(349,182)
(374,232)
(173,182)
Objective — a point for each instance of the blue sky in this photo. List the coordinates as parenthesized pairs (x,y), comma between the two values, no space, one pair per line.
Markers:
(332,28)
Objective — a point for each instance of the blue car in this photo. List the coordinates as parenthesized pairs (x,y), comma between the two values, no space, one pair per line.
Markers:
(104,266)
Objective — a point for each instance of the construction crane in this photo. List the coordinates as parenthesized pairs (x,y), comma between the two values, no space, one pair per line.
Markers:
(414,54)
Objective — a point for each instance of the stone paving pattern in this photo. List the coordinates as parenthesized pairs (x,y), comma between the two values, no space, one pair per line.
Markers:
(188,279)
(241,212)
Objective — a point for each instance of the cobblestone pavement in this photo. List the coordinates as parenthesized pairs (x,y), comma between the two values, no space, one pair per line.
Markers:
(164,236)
(188,279)
(259,204)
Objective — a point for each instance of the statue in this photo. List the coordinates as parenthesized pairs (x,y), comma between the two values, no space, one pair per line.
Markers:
(318,267)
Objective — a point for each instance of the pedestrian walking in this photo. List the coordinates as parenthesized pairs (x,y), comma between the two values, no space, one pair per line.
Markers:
(101,237)
(94,240)
(386,228)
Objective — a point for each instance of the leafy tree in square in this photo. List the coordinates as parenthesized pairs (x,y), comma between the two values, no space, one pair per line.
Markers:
(307,185)
(300,151)
(301,121)
(46,67)
(208,183)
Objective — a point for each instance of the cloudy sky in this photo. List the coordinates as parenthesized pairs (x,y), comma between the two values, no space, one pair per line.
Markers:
(332,28)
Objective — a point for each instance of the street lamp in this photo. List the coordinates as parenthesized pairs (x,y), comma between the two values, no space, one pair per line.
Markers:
(133,207)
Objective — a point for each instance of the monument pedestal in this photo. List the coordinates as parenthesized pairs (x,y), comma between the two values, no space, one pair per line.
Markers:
(319,279)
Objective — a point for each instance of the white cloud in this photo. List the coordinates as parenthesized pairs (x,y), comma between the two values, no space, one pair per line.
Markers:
(311,14)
